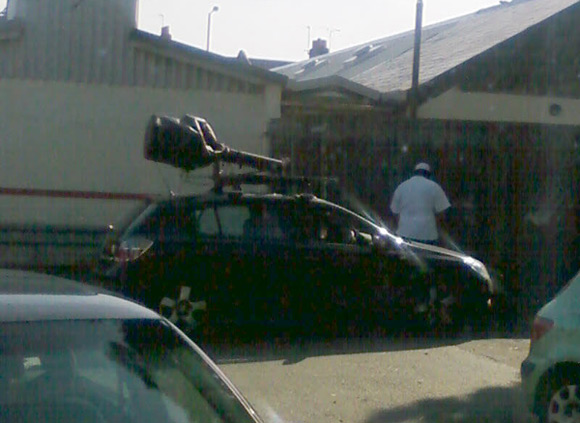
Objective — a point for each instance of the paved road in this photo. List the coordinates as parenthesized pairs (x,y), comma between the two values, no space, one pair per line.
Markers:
(385,380)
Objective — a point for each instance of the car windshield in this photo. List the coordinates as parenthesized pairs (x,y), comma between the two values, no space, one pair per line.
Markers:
(108,370)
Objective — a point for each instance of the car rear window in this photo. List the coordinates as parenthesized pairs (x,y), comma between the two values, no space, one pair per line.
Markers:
(164,221)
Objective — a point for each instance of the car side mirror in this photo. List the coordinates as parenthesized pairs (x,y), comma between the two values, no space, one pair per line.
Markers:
(379,242)
(361,238)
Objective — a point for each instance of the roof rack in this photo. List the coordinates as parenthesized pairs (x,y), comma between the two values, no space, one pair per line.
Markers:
(280,183)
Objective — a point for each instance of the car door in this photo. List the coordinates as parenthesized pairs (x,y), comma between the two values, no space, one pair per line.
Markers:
(229,265)
(266,241)
(241,240)
(317,270)
(350,278)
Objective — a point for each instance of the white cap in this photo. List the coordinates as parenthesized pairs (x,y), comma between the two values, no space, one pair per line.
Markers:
(423,166)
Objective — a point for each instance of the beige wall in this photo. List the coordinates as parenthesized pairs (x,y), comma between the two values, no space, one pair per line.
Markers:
(79,137)
(458,105)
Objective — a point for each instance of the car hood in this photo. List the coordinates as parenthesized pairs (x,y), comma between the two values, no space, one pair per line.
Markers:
(566,303)
(426,254)
(436,252)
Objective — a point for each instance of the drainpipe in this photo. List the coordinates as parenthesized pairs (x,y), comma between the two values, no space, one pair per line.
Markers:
(414,98)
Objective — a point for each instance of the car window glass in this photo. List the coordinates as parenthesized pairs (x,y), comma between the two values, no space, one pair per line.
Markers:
(264,221)
(232,218)
(332,226)
(298,223)
(207,222)
(134,370)
(334,229)
(165,221)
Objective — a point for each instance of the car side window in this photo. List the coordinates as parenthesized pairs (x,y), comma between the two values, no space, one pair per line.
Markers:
(165,222)
(225,220)
(207,221)
(231,219)
(329,226)
(248,221)
(335,229)
(263,223)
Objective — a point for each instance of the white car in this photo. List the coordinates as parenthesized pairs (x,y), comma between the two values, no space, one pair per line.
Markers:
(70,353)
(551,372)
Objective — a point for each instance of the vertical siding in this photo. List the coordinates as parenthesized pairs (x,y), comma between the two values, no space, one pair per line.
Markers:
(88,43)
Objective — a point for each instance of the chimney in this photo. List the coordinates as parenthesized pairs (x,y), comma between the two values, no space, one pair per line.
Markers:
(318,48)
(165,34)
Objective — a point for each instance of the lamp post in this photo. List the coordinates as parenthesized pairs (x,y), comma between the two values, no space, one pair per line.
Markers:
(211,12)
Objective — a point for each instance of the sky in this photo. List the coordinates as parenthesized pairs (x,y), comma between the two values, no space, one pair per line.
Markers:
(281,29)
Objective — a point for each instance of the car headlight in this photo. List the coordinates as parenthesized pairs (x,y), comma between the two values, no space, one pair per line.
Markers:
(479,268)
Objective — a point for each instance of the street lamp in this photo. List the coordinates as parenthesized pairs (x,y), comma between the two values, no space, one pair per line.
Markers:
(214,9)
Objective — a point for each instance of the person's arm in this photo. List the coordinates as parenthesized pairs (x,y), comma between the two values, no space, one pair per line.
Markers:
(442,221)
(442,205)
(393,211)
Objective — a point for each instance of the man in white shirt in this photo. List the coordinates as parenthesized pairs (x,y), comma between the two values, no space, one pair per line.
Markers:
(417,202)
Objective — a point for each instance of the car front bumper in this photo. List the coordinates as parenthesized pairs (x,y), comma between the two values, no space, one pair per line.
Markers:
(531,371)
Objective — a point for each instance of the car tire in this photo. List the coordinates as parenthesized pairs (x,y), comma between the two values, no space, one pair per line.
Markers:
(186,311)
(561,399)
(477,318)
(443,318)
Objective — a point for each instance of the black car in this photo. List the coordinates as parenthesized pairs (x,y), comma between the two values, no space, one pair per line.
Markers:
(73,353)
(237,259)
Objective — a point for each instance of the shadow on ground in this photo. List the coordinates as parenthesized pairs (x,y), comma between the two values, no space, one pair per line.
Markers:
(294,350)
(493,405)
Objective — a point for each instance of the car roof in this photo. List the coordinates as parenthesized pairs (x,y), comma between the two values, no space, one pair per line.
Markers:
(233,195)
(237,196)
(29,296)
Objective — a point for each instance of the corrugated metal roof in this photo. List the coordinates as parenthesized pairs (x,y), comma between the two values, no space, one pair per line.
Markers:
(385,65)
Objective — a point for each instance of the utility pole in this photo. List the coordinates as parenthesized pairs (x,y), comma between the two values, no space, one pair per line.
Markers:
(414,95)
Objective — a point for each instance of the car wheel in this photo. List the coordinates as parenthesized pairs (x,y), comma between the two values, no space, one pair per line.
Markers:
(190,315)
(562,400)
(443,315)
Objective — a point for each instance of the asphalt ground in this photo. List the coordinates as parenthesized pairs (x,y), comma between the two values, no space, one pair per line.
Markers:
(379,378)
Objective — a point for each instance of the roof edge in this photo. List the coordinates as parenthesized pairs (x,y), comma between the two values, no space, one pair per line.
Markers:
(446,80)
(333,81)
(215,59)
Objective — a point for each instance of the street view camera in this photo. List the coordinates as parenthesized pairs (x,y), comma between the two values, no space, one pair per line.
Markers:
(190,143)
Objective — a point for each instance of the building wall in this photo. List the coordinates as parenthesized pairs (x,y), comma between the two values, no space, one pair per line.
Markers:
(469,106)
(69,40)
(75,137)
(513,186)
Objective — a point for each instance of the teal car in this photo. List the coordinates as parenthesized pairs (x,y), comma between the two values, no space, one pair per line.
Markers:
(551,372)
